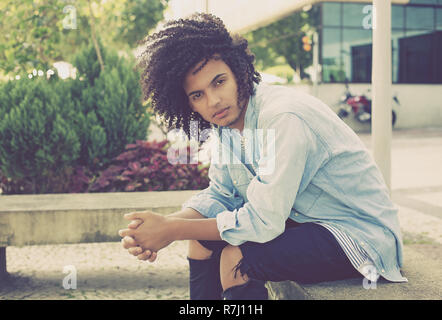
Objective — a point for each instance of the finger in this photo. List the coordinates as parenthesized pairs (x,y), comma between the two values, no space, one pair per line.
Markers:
(133,215)
(135,251)
(128,242)
(126,232)
(153,257)
(135,223)
(144,256)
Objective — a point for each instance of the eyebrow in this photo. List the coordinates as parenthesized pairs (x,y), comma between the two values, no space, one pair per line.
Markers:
(213,80)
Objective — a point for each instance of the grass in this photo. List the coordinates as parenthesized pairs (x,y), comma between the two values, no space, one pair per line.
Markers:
(416,238)
(283,71)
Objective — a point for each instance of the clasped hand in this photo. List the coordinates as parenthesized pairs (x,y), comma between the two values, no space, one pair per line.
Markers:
(146,234)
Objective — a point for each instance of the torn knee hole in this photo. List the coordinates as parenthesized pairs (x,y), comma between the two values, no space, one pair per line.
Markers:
(240,267)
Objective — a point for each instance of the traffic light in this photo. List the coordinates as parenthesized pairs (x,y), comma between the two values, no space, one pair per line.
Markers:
(306,43)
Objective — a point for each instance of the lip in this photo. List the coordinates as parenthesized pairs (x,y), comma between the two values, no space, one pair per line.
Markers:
(221,113)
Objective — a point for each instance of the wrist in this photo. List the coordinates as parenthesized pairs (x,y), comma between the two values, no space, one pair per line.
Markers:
(175,230)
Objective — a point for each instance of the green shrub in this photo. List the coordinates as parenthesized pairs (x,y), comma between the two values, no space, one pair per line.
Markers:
(110,105)
(49,128)
(36,140)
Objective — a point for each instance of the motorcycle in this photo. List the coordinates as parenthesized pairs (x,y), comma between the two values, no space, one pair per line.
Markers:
(360,106)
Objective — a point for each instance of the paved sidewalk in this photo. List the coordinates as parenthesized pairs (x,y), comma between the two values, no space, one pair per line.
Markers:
(106,271)
(416,182)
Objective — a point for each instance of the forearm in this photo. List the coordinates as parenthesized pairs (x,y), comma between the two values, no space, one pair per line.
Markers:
(187,213)
(189,224)
(195,229)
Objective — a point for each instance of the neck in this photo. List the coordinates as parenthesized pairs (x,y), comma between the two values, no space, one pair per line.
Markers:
(239,123)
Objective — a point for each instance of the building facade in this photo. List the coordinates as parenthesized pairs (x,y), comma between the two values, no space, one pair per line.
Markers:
(346,42)
(345,51)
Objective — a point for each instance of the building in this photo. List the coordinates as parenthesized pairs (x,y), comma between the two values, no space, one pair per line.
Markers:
(345,37)
(345,47)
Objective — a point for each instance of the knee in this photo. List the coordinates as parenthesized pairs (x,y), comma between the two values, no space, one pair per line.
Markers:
(231,253)
(230,258)
(197,251)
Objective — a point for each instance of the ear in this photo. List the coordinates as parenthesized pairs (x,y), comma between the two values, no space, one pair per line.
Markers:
(186,98)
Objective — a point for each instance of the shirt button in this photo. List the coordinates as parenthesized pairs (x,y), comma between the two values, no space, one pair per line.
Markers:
(234,182)
(383,270)
(362,243)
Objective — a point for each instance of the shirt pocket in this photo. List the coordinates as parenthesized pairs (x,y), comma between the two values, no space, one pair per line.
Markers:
(240,179)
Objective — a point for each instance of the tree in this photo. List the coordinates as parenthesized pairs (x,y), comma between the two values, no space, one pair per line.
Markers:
(37,33)
(29,34)
(283,38)
(137,18)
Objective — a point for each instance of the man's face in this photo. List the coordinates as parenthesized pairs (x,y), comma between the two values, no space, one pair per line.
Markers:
(213,93)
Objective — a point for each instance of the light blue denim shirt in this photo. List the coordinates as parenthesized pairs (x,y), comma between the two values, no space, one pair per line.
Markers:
(305,164)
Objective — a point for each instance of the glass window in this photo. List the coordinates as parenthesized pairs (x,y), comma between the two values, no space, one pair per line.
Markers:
(332,69)
(416,41)
(395,36)
(331,14)
(356,15)
(397,17)
(357,54)
(424,1)
(439,19)
(419,18)
(419,58)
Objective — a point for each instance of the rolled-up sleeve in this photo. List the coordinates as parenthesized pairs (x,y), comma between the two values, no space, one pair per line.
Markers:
(272,193)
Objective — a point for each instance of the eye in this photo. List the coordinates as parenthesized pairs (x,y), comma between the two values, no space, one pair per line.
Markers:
(196,96)
(220,82)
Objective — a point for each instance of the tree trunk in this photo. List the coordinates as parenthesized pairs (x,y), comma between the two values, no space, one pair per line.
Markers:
(94,39)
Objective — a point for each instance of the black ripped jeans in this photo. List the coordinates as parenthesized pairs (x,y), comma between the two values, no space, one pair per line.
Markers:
(304,253)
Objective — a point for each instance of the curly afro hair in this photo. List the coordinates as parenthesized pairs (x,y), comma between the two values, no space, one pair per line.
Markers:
(170,53)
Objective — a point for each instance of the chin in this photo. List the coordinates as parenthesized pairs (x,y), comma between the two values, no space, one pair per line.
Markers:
(231,123)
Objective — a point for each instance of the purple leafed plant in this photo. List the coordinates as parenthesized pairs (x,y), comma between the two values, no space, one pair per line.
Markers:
(144,166)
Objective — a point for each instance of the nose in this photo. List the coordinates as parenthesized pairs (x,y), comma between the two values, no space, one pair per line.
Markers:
(213,99)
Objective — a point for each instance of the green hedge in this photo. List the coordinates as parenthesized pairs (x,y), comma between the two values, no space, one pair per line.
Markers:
(48,127)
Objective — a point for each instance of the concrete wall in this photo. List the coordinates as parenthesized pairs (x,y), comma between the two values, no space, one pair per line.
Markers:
(421,105)
(77,218)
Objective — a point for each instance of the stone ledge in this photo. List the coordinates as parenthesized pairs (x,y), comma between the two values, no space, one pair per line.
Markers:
(97,217)
(77,218)
(92,201)
(424,274)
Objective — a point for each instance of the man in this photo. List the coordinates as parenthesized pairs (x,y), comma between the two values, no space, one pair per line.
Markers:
(299,199)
